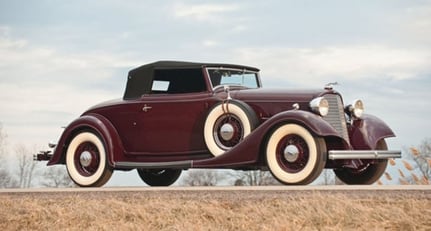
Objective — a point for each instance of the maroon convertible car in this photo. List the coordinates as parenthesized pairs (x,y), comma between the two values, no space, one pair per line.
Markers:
(180,115)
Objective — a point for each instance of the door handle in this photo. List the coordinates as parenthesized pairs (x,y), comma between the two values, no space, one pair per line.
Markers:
(146,108)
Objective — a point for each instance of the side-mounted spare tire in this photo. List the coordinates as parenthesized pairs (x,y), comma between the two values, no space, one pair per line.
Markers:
(227,124)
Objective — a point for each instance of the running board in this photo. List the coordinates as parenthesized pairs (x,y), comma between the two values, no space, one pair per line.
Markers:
(155,165)
(365,154)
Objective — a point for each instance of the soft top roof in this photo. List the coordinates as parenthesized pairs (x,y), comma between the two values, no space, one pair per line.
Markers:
(139,79)
(182,64)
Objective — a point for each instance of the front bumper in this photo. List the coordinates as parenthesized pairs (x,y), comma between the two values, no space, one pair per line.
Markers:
(363,154)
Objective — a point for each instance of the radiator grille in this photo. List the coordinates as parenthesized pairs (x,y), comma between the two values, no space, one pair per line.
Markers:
(336,115)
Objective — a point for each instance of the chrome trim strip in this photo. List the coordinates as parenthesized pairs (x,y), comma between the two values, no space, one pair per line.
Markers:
(155,165)
(363,154)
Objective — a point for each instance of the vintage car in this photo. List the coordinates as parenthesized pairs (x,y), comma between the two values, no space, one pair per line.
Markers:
(176,116)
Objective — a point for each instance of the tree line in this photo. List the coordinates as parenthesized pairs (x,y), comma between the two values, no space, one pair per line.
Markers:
(18,170)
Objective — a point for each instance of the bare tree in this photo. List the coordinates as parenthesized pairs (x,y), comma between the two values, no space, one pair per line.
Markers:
(420,172)
(6,178)
(422,158)
(254,178)
(57,177)
(26,166)
(198,177)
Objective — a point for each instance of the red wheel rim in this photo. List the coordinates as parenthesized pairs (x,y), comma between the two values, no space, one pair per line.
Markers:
(237,132)
(91,156)
(300,161)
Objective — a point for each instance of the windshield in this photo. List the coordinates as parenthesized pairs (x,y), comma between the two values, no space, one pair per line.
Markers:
(233,77)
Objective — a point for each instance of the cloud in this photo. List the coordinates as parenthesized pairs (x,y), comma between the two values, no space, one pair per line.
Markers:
(214,12)
(305,65)
(418,26)
(42,88)
(21,61)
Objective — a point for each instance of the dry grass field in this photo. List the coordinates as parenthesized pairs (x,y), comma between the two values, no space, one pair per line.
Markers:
(216,210)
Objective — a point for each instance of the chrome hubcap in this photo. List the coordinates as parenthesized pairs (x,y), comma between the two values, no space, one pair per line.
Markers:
(85,158)
(227,131)
(291,153)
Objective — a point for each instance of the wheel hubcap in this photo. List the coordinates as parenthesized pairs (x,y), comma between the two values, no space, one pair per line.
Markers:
(85,158)
(291,153)
(227,131)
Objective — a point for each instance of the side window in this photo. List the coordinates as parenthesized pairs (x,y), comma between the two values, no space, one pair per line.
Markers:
(160,86)
(178,81)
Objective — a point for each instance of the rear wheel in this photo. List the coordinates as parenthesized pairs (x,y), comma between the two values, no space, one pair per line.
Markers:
(159,177)
(368,173)
(86,160)
(294,155)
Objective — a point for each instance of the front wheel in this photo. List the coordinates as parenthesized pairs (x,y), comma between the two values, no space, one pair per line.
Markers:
(159,177)
(294,155)
(86,160)
(368,173)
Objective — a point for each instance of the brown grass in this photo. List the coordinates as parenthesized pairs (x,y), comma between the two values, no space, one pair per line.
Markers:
(190,210)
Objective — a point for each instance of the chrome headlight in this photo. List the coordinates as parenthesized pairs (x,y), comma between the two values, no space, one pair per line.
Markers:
(355,109)
(320,106)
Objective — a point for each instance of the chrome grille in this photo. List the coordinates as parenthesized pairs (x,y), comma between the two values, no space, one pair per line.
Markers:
(336,117)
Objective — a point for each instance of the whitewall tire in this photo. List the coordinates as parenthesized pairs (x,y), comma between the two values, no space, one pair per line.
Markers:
(86,160)
(227,124)
(294,155)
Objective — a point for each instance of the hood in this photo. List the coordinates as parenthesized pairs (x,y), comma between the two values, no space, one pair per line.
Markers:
(268,102)
(277,95)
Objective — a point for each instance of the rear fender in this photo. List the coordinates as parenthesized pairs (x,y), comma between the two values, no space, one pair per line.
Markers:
(366,132)
(95,122)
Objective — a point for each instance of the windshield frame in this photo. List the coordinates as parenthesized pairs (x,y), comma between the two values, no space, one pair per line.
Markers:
(244,70)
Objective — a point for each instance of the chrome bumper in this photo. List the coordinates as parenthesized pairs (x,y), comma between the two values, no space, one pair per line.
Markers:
(365,154)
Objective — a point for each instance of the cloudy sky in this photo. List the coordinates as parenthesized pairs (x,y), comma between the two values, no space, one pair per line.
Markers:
(57,58)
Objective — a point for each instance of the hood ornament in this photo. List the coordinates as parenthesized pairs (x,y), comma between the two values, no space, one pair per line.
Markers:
(330,86)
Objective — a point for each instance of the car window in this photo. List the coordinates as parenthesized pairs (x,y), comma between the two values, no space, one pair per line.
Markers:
(160,86)
(178,81)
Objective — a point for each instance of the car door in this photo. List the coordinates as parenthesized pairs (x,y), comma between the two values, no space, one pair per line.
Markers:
(172,124)
(171,118)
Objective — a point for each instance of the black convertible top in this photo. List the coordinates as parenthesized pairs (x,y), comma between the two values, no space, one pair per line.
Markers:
(140,79)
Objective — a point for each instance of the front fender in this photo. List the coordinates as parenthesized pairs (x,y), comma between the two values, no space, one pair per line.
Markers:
(248,151)
(313,122)
(94,122)
(367,131)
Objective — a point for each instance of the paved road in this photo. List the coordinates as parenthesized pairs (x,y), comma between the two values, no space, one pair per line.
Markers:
(337,188)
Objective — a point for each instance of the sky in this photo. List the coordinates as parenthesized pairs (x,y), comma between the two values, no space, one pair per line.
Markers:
(58,58)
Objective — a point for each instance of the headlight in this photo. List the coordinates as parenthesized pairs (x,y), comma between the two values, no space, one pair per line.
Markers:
(320,106)
(355,109)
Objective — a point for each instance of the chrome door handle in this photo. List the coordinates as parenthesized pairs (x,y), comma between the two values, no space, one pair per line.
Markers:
(146,108)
